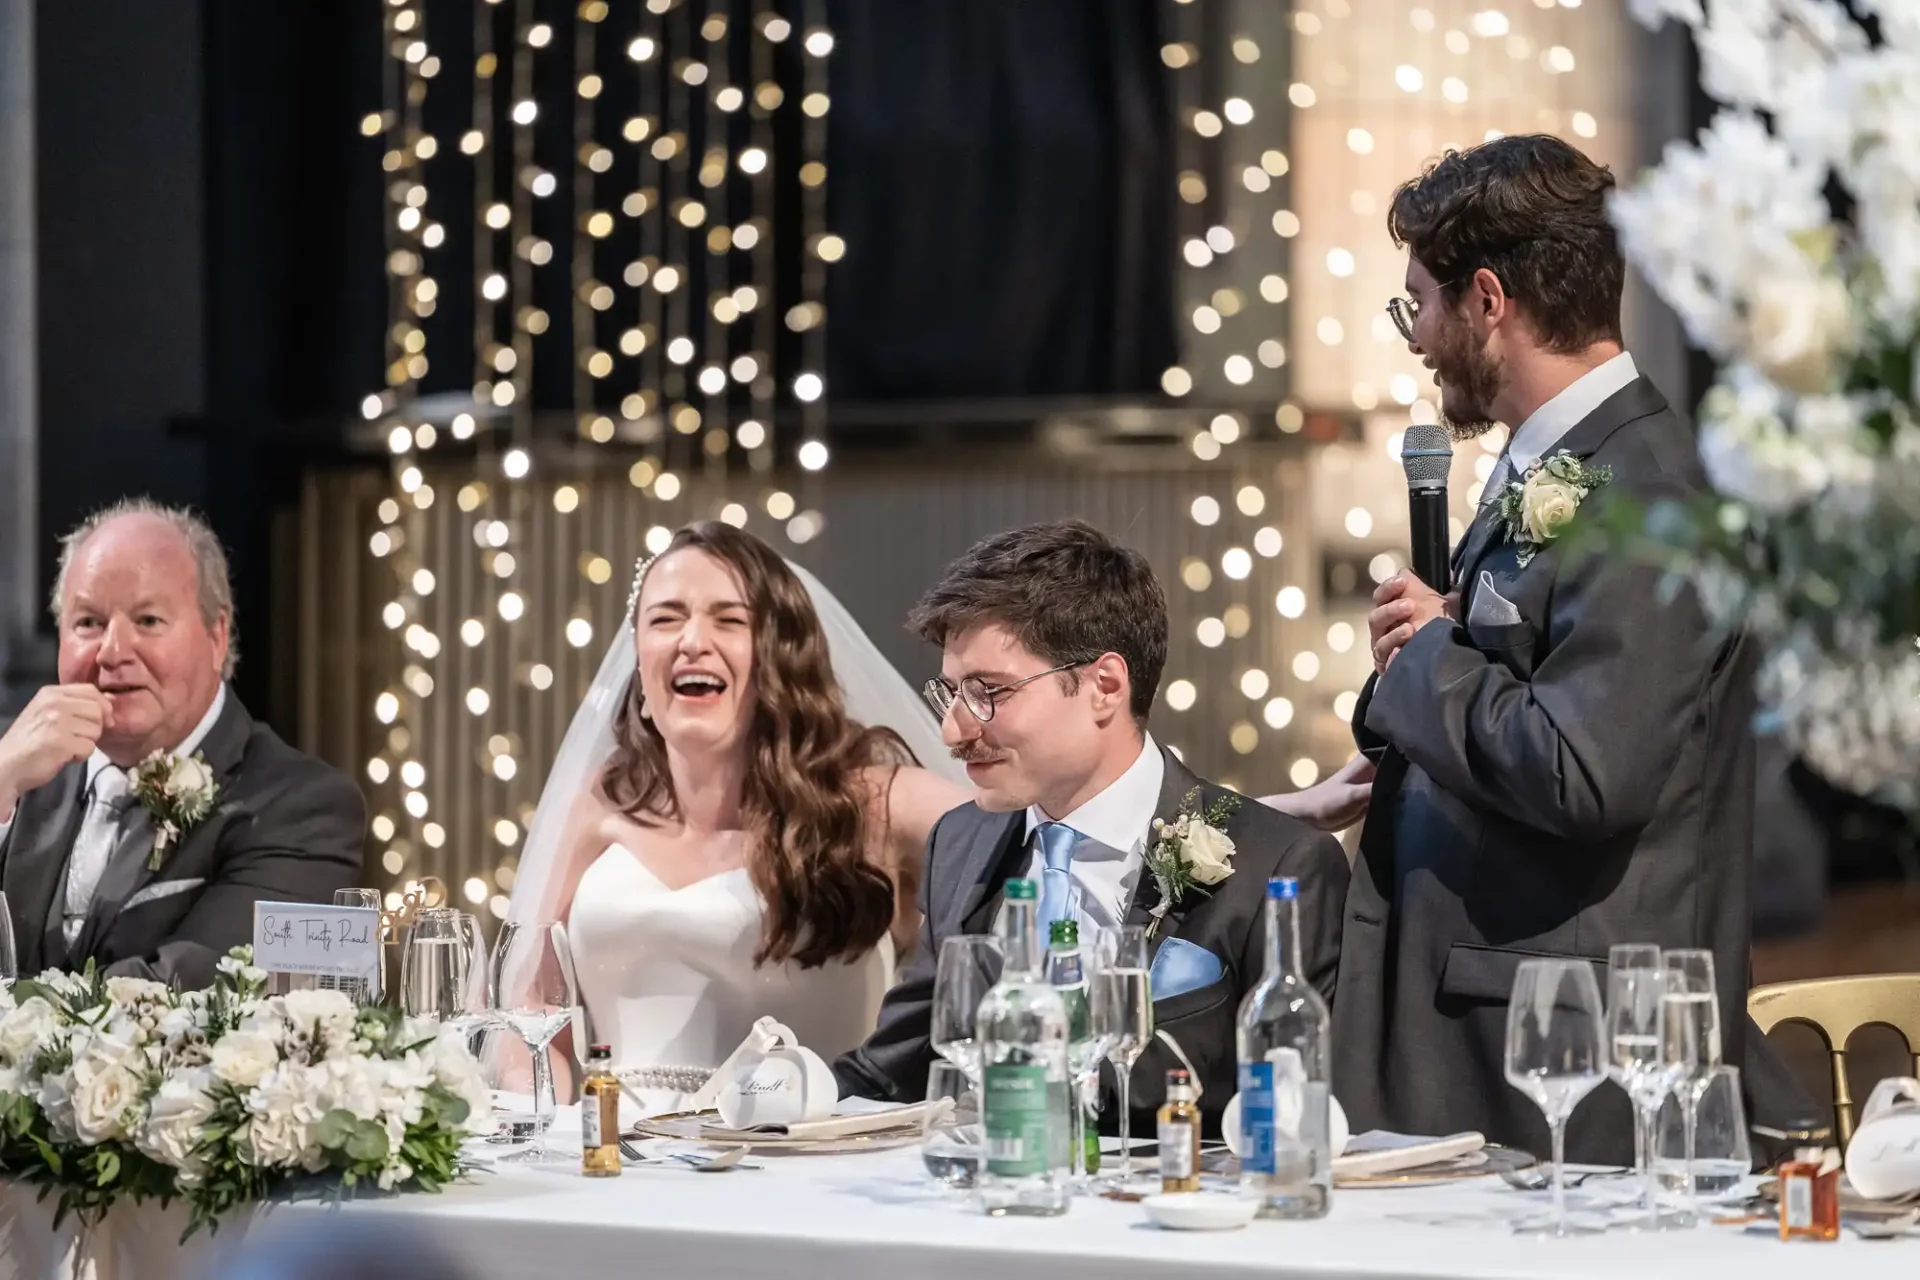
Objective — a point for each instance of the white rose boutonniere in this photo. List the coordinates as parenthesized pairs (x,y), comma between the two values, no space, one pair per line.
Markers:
(1538,508)
(1189,852)
(179,791)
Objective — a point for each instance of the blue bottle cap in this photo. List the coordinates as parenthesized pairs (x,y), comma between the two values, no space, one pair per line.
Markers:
(1283,888)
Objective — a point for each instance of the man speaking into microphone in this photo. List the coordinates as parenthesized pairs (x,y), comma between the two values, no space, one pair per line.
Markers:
(1564,752)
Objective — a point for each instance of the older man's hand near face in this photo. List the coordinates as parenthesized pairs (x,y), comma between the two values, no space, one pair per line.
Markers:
(62,724)
(1401,606)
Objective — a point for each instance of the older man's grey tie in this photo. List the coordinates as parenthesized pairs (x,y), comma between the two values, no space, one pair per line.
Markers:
(107,802)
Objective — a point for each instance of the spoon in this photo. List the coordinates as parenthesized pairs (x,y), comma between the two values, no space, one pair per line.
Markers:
(720,1163)
(1535,1177)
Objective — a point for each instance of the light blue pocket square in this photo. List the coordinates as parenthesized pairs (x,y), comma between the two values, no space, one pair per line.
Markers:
(1182,967)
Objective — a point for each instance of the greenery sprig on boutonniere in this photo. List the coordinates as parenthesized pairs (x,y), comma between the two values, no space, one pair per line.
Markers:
(1540,505)
(179,793)
(1189,852)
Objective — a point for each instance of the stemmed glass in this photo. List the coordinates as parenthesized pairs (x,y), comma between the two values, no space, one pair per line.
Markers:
(1690,1011)
(969,967)
(1556,1055)
(435,971)
(358,990)
(1121,1003)
(534,997)
(1637,1058)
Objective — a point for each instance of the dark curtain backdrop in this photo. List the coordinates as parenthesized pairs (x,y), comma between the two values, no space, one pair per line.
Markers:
(1003,173)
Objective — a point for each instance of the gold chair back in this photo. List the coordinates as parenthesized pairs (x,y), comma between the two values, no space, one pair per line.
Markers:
(1836,1008)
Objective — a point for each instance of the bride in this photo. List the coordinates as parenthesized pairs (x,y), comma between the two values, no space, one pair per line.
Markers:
(722,838)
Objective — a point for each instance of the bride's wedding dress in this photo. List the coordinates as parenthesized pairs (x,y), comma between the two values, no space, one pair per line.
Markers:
(668,979)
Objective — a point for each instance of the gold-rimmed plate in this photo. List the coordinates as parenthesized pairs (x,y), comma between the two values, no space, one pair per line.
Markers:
(1489,1161)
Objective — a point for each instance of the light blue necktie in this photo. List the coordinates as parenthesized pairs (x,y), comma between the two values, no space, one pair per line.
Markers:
(1056,876)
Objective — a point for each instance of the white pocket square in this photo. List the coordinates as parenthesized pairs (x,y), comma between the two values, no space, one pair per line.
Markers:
(1490,608)
(162,889)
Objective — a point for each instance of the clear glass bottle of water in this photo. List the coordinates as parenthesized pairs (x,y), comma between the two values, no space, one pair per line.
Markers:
(1285,1052)
(1067,972)
(1022,1031)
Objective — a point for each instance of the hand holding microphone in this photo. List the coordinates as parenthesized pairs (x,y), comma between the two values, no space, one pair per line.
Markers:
(1408,601)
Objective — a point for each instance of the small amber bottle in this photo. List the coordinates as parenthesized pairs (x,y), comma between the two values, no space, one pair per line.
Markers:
(600,1116)
(1179,1135)
(1810,1194)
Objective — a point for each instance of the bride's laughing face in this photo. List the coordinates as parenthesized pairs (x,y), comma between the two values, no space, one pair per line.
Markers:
(694,641)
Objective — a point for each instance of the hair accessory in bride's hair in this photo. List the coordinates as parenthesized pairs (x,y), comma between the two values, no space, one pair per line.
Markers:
(640,564)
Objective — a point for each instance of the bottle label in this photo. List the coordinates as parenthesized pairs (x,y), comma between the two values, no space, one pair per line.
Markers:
(590,1123)
(1177,1149)
(1796,1202)
(1256,1117)
(1015,1118)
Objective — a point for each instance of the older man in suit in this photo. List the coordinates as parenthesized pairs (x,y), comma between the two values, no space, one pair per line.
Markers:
(1053,640)
(1565,755)
(91,871)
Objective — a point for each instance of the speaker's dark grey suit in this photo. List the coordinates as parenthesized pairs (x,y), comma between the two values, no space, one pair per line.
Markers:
(285,828)
(1578,775)
(970,856)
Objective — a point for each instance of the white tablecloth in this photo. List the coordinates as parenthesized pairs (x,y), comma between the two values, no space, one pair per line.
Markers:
(877,1216)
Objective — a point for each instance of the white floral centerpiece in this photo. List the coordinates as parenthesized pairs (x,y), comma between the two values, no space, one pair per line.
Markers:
(120,1088)
(1787,239)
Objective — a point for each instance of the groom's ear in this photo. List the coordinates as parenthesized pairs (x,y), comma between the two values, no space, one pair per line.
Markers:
(1112,686)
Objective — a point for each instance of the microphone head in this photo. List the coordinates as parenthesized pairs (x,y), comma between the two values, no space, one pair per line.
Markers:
(1426,452)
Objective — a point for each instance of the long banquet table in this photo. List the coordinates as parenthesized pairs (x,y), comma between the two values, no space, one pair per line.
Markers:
(876,1215)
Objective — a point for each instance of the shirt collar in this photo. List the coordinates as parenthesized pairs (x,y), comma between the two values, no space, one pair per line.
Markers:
(1119,816)
(1546,425)
(98,760)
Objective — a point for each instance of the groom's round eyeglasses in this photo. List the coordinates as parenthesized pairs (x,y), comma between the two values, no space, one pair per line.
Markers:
(980,696)
(1406,311)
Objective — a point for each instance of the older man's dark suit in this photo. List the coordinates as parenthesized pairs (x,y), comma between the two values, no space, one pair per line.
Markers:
(1548,786)
(970,856)
(285,828)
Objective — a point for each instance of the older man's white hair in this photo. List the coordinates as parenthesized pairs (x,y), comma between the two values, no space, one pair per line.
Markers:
(215,590)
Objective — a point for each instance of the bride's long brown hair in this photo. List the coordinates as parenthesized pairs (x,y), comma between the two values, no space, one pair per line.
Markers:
(804,804)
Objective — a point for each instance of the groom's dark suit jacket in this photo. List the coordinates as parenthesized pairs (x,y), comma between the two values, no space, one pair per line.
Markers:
(1575,772)
(971,854)
(285,828)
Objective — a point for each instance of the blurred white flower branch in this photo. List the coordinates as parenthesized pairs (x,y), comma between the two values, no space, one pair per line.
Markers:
(1787,239)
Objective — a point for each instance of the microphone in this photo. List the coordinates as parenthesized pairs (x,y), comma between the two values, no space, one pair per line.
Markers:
(1427,455)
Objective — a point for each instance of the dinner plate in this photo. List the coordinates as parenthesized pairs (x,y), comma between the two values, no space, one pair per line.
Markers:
(698,1126)
(1488,1161)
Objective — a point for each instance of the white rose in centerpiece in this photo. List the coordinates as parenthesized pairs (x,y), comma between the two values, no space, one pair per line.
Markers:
(101,1102)
(25,1028)
(1547,505)
(1209,853)
(188,777)
(1797,328)
(176,1123)
(243,1058)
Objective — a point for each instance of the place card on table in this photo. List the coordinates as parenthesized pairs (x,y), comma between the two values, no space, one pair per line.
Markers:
(312,938)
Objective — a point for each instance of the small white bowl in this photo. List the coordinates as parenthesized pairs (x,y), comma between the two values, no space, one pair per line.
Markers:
(1200,1211)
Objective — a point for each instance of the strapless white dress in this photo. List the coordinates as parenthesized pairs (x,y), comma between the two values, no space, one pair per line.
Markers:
(668,979)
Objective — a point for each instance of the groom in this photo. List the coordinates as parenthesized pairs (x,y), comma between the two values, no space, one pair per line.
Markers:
(146,644)
(1053,637)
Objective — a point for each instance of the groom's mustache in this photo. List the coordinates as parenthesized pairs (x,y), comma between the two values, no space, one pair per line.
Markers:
(971,753)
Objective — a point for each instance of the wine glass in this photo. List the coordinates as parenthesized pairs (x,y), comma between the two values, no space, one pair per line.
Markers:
(1637,1060)
(951,1142)
(1556,1055)
(9,966)
(359,990)
(969,967)
(1121,1005)
(1690,1009)
(534,998)
(475,1013)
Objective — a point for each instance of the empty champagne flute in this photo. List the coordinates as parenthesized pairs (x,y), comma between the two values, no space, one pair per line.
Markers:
(9,964)
(533,996)
(969,967)
(1637,1062)
(1556,1055)
(475,1014)
(1691,1012)
(1121,1004)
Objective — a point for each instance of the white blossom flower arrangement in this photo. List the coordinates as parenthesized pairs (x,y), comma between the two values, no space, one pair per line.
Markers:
(1811,434)
(120,1088)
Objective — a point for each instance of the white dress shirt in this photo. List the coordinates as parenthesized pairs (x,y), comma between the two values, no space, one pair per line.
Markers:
(1547,425)
(100,828)
(1115,825)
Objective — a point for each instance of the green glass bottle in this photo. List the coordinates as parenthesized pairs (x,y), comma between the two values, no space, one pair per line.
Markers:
(1068,975)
